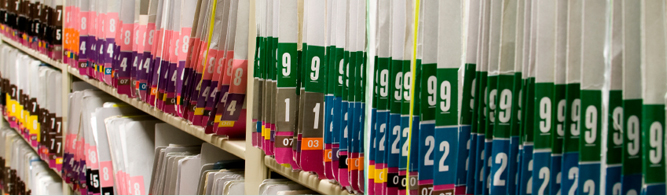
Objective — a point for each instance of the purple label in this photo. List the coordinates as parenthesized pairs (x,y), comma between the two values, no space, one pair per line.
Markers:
(233,106)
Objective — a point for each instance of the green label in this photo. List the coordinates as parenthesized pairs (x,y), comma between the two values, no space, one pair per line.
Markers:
(287,65)
(480,113)
(315,71)
(359,74)
(406,83)
(558,116)
(258,50)
(429,81)
(615,127)
(653,123)
(383,87)
(331,69)
(344,76)
(572,116)
(529,110)
(417,91)
(632,153)
(396,86)
(339,74)
(274,59)
(447,96)
(504,108)
(468,102)
(543,115)
(351,72)
(491,101)
(516,104)
(591,125)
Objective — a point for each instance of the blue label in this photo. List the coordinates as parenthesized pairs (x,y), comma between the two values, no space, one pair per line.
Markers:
(344,125)
(463,158)
(414,146)
(393,146)
(589,178)
(499,163)
(541,172)
(427,150)
(556,174)
(613,180)
(570,172)
(374,132)
(513,165)
(653,189)
(337,102)
(487,167)
(526,187)
(403,147)
(631,184)
(445,161)
(107,71)
(472,160)
(479,165)
(382,136)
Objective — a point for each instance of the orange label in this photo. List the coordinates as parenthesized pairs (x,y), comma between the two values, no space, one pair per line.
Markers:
(327,155)
(361,162)
(354,165)
(312,143)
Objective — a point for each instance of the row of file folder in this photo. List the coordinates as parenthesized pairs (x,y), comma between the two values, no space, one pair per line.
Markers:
(36,24)
(310,86)
(23,172)
(185,58)
(114,148)
(32,102)
(465,97)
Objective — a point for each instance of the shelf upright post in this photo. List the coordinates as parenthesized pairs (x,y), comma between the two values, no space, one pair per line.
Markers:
(255,170)
(66,83)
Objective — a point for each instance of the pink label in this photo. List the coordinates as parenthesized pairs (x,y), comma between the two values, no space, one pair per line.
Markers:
(160,43)
(83,23)
(184,43)
(239,75)
(126,37)
(112,22)
(139,35)
(121,183)
(92,23)
(443,187)
(119,30)
(137,184)
(91,162)
(229,65)
(150,37)
(173,46)
(106,174)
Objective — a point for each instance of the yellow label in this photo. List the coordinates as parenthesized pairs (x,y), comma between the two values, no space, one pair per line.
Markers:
(381,175)
(59,160)
(287,165)
(33,125)
(267,133)
(226,124)
(217,119)
(371,171)
(263,131)
(199,111)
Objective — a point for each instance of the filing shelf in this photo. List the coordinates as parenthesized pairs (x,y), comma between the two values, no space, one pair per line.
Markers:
(36,152)
(235,147)
(34,53)
(307,179)
(257,164)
